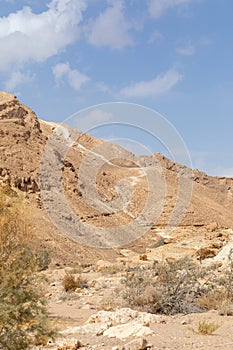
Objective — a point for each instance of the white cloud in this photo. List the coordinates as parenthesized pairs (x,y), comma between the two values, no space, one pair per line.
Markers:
(161,84)
(110,28)
(26,36)
(101,86)
(75,79)
(158,7)
(155,36)
(18,78)
(187,50)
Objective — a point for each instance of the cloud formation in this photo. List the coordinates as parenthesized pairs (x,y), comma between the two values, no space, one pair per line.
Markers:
(110,28)
(159,85)
(26,36)
(188,50)
(158,7)
(62,72)
(155,36)
(17,78)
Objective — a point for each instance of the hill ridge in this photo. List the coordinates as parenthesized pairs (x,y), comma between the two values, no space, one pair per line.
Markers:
(22,144)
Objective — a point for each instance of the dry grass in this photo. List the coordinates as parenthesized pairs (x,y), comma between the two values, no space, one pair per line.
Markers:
(212,300)
(217,299)
(207,328)
(226,307)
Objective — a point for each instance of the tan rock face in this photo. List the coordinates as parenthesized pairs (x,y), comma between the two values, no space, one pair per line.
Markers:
(21,144)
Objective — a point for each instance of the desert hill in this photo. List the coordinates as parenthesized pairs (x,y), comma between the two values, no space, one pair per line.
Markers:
(22,147)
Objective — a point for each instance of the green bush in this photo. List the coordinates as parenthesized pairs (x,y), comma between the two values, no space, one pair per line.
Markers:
(23,315)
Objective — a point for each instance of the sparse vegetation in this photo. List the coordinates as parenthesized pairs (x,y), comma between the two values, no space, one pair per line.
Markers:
(43,258)
(207,328)
(77,269)
(110,270)
(228,278)
(140,292)
(174,287)
(220,297)
(23,315)
(71,282)
(213,299)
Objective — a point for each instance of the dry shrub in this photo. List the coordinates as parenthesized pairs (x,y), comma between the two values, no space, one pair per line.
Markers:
(180,286)
(140,292)
(226,308)
(23,315)
(221,297)
(217,300)
(71,283)
(169,288)
(228,277)
(43,259)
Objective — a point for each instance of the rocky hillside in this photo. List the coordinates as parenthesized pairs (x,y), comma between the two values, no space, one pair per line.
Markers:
(22,146)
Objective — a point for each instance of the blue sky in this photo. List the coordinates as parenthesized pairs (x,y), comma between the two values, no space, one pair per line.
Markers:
(174,56)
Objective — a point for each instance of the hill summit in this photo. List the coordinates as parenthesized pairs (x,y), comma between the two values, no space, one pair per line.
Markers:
(23,141)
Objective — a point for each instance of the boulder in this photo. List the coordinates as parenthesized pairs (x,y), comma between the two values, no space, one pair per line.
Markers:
(124,315)
(139,344)
(130,329)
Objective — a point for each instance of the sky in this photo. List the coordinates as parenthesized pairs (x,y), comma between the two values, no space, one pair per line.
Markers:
(172,56)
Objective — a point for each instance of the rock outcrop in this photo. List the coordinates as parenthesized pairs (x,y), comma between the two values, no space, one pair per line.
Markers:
(21,144)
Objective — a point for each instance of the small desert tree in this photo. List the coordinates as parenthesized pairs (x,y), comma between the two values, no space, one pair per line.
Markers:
(23,316)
